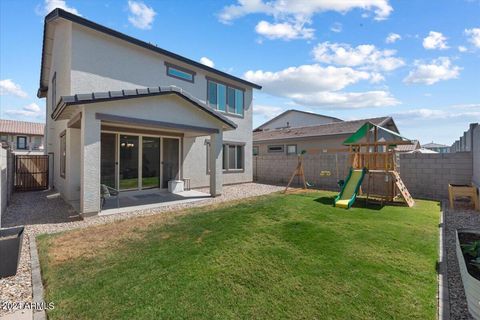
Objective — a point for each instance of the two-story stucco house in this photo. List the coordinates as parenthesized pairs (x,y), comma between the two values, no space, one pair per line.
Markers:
(130,115)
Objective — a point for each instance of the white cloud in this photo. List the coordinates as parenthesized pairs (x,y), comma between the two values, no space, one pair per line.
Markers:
(285,30)
(474,36)
(207,62)
(32,110)
(306,79)
(346,100)
(266,111)
(462,49)
(435,40)
(448,113)
(393,37)
(437,70)
(142,16)
(318,86)
(7,86)
(302,10)
(50,5)
(336,27)
(365,56)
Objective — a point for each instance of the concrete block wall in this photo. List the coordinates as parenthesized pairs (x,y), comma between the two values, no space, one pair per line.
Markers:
(428,175)
(277,169)
(425,175)
(476,155)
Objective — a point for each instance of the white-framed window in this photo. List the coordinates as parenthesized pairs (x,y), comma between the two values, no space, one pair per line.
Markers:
(63,153)
(292,149)
(255,150)
(233,159)
(276,148)
(225,98)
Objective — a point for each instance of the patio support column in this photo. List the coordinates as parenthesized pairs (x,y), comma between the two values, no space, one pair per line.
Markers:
(216,158)
(89,164)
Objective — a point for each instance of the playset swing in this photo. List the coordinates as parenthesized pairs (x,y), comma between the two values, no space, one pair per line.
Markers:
(371,154)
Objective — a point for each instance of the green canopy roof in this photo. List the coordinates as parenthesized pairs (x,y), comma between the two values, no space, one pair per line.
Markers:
(383,135)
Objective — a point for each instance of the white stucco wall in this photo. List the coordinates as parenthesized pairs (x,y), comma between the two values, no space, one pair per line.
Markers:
(61,62)
(88,61)
(296,119)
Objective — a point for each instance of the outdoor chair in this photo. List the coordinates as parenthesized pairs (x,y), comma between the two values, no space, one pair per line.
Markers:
(107,192)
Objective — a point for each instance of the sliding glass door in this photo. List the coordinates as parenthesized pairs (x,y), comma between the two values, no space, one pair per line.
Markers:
(128,172)
(108,168)
(150,162)
(170,160)
(133,162)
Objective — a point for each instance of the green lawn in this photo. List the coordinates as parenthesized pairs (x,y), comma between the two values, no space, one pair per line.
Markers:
(274,257)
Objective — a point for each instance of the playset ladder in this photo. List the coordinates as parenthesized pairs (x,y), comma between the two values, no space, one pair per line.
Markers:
(403,189)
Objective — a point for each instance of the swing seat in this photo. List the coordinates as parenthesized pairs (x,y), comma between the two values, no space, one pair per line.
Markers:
(310,185)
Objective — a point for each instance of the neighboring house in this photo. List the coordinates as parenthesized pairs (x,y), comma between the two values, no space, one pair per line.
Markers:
(314,138)
(422,150)
(437,147)
(409,148)
(294,119)
(22,137)
(125,113)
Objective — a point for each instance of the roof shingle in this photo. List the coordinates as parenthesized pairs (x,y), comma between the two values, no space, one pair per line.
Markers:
(334,128)
(21,127)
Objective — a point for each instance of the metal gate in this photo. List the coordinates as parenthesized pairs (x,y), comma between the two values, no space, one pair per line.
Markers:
(31,172)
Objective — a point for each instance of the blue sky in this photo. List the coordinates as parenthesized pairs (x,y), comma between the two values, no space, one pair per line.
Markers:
(418,61)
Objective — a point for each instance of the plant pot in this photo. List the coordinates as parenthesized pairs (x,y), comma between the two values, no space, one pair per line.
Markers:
(470,284)
(11,240)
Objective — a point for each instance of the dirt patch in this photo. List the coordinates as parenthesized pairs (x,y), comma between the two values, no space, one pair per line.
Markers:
(91,241)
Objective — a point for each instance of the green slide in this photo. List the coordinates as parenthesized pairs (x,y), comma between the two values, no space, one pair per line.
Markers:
(349,190)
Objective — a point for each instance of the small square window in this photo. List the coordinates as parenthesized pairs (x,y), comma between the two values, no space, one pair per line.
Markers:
(292,149)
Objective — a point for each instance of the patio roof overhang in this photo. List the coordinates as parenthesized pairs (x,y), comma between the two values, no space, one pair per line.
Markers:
(68,106)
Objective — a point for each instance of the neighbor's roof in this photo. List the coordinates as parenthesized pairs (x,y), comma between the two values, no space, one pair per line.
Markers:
(94,97)
(21,127)
(423,150)
(334,128)
(59,13)
(299,111)
(408,147)
(435,145)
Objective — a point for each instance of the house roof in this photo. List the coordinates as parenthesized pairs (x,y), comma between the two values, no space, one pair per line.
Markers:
(408,147)
(435,145)
(60,13)
(96,97)
(334,128)
(299,111)
(21,127)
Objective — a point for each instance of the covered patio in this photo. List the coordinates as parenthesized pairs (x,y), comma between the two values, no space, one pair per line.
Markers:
(119,140)
(149,199)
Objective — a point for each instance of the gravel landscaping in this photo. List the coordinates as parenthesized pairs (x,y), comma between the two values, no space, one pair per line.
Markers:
(45,212)
(455,219)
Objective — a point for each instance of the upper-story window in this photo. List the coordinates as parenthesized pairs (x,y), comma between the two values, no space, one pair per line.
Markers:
(54,90)
(180,73)
(225,98)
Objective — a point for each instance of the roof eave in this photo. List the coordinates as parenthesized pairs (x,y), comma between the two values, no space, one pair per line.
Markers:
(59,13)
